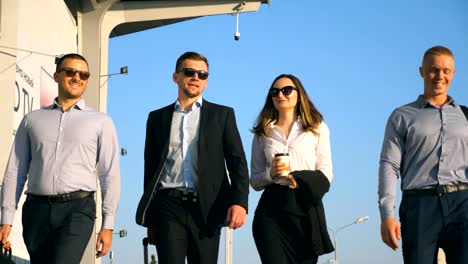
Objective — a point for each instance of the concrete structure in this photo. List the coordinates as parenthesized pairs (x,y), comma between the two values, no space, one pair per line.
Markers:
(33,33)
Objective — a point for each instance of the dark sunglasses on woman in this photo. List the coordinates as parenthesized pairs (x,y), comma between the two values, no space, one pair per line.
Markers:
(287,90)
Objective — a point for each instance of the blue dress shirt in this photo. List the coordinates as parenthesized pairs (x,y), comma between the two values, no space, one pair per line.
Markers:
(60,152)
(425,145)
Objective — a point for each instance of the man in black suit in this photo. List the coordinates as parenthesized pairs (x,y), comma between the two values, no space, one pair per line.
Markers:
(188,195)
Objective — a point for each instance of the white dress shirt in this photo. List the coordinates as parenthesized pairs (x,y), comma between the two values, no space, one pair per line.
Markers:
(306,152)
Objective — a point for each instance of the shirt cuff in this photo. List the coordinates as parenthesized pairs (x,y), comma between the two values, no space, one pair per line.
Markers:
(108,222)
(386,213)
(7,217)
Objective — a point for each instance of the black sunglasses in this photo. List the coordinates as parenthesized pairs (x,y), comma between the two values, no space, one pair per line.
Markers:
(70,72)
(287,90)
(189,72)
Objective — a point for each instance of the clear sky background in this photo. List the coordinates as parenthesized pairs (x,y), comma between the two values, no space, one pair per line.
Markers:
(358,61)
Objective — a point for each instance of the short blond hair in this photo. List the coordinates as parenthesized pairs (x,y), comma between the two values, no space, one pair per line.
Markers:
(437,51)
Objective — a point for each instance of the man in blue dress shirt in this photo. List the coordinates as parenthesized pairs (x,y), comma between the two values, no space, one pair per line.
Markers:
(58,150)
(426,144)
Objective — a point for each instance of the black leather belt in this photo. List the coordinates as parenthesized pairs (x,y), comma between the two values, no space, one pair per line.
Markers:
(60,198)
(439,189)
(184,195)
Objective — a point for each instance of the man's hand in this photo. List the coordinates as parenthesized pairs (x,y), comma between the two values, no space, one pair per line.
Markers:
(104,242)
(150,235)
(5,231)
(391,232)
(236,216)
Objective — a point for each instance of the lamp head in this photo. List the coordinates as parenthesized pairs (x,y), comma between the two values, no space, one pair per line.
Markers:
(123,233)
(361,219)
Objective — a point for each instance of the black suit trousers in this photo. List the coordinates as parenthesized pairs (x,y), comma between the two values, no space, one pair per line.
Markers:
(57,233)
(179,232)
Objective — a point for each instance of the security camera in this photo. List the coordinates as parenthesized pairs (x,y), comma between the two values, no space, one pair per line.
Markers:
(238,8)
(237,35)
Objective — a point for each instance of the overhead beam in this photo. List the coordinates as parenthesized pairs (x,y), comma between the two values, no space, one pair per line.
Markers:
(96,26)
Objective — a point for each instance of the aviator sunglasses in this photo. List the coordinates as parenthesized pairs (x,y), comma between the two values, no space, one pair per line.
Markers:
(70,72)
(287,90)
(189,72)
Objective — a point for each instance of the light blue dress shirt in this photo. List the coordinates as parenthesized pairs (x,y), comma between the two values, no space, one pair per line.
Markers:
(60,152)
(181,167)
(425,145)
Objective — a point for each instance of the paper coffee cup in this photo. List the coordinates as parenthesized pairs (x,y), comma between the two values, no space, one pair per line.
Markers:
(283,158)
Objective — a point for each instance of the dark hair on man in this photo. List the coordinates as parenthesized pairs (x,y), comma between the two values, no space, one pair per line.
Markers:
(190,55)
(310,116)
(60,59)
(437,51)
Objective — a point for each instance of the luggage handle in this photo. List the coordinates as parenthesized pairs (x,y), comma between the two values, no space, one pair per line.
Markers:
(145,250)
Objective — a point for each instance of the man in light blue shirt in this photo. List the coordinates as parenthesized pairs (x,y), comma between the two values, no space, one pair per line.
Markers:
(58,150)
(426,144)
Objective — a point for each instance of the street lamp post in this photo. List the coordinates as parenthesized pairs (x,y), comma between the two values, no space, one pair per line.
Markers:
(123,70)
(121,233)
(335,233)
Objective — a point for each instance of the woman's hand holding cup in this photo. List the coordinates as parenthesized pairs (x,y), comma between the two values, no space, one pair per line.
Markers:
(280,171)
(280,166)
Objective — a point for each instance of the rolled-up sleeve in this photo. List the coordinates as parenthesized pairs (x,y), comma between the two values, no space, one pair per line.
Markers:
(108,167)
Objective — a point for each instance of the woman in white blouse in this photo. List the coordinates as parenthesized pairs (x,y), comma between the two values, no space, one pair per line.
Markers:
(289,224)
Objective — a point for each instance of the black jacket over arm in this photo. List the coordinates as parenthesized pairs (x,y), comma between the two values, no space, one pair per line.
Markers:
(220,151)
(304,201)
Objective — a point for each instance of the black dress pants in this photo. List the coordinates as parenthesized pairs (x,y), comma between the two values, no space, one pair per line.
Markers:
(57,233)
(180,232)
(430,221)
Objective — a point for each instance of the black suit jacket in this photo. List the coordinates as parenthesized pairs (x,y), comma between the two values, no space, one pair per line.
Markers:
(219,148)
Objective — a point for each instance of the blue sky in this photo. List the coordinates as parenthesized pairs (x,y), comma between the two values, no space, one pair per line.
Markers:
(357,60)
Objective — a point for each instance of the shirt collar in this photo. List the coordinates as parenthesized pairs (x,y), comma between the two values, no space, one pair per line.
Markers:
(423,103)
(298,122)
(197,104)
(80,105)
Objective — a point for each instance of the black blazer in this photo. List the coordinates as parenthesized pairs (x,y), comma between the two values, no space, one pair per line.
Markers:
(219,148)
